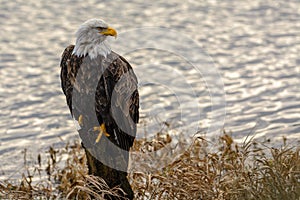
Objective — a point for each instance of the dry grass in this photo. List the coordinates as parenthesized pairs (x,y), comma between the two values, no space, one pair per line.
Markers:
(228,171)
(231,172)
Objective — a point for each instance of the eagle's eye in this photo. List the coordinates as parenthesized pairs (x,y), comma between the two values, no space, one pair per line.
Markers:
(100,29)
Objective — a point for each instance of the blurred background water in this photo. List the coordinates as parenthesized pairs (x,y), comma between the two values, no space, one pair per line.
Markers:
(253,45)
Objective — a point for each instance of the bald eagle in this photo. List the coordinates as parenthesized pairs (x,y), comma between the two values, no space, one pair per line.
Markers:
(101,92)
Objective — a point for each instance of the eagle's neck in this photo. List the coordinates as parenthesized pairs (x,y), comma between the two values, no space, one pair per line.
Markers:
(92,49)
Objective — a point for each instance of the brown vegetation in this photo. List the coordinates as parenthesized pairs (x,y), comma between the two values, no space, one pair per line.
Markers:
(229,171)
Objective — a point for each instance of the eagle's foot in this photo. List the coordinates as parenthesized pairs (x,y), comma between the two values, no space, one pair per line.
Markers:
(80,120)
(102,130)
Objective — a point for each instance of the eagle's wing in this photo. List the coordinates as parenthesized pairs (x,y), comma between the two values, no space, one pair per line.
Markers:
(69,67)
(121,113)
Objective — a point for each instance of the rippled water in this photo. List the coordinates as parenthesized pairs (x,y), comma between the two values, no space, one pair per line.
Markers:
(253,50)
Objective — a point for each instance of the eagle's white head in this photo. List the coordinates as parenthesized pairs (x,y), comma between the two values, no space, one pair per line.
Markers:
(90,38)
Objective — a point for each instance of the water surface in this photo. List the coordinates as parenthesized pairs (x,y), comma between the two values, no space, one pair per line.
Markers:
(254,46)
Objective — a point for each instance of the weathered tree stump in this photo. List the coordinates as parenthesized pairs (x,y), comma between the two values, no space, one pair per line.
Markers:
(107,161)
(112,177)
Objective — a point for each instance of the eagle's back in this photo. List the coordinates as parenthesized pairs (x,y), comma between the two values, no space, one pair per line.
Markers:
(108,82)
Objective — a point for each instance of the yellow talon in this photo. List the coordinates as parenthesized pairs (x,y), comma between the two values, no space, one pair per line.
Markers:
(80,120)
(101,130)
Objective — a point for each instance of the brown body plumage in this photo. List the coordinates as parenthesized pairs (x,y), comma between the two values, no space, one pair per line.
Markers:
(103,90)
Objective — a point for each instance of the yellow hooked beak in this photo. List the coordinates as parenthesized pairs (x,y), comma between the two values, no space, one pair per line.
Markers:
(109,31)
